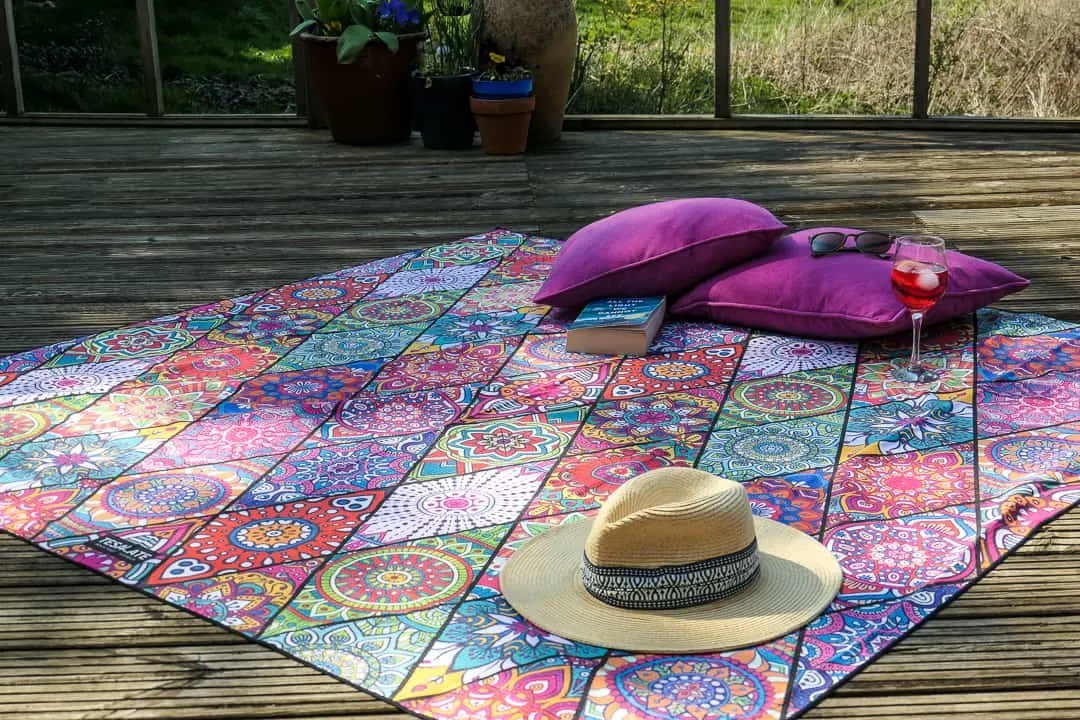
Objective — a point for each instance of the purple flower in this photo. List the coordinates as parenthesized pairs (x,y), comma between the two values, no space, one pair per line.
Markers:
(398,12)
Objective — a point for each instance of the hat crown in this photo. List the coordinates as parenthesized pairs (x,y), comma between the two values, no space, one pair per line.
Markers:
(671,516)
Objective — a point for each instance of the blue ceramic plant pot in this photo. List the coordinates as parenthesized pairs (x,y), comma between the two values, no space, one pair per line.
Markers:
(502,89)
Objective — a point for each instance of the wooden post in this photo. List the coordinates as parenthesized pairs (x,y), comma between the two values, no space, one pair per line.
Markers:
(722,58)
(9,61)
(155,97)
(921,81)
(299,64)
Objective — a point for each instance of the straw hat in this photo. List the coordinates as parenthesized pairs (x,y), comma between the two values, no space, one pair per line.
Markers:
(675,562)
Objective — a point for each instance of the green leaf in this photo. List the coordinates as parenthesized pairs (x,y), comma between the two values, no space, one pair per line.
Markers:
(390,39)
(303,26)
(304,9)
(352,41)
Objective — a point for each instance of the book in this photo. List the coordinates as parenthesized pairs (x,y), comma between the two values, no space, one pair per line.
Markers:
(616,326)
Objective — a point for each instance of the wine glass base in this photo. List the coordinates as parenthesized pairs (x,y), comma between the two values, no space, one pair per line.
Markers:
(915,374)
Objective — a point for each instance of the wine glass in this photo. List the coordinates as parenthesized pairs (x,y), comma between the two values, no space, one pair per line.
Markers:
(920,274)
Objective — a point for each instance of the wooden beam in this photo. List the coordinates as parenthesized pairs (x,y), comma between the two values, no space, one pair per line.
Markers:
(722,58)
(9,61)
(921,82)
(148,43)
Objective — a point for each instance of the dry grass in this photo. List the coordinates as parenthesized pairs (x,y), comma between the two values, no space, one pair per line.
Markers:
(990,57)
(1007,58)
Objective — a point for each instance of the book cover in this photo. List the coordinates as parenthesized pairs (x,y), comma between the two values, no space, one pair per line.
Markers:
(617,312)
(616,326)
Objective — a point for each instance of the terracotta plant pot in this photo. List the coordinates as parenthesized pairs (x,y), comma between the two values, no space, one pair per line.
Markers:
(504,124)
(365,102)
(542,34)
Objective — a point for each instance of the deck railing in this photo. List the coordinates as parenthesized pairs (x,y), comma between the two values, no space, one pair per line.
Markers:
(12,91)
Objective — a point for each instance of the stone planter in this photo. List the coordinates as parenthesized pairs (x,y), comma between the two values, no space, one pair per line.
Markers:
(542,34)
(365,102)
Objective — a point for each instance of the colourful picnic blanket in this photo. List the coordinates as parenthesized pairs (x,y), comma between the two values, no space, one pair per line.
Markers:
(339,468)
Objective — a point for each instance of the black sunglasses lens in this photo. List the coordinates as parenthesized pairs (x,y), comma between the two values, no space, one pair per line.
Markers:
(873,242)
(827,242)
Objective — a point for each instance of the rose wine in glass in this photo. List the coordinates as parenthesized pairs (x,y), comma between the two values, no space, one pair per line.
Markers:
(920,274)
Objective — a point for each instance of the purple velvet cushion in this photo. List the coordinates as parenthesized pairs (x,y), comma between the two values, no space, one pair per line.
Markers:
(844,295)
(657,249)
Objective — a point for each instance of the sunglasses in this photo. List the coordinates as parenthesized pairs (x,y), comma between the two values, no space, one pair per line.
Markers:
(871,243)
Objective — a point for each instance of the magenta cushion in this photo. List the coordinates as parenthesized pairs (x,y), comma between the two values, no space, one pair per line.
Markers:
(657,249)
(844,295)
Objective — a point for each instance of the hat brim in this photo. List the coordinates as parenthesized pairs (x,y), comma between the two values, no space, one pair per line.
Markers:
(799,578)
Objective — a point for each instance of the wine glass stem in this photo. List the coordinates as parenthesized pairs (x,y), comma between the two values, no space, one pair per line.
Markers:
(916,338)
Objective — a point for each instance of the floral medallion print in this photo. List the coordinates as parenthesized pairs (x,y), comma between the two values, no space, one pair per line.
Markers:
(785,397)
(768,355)
(375,652)
(342,467)
(66,460)
(143,341)
(541,392)
(943,338)
(684,335)
(1043,456)
(839,643)
(885,486)
(1008,407)
(674,371)
(743,685)
(884,560)
(233,362)
(546,352)
(152,498)
(23,423)
(391,579)
(482,638)
(88,379)
(257,537)
(776,449)
(347,348)
(316,293)
(337,470)
(138,405)
(583,482)
(668,416)
(26,512)
(403,310)
(372,414)
(517,297)
(795,500)
(994,321)
(551,688)
(1003,358)
(457,365)
(245,601)
(475,327)
(532,438)
(920,424)
(451,505)
(875,383)
(421,282)
(286,328)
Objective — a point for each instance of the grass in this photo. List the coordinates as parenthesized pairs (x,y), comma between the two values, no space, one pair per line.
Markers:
(990,57)
(224,57)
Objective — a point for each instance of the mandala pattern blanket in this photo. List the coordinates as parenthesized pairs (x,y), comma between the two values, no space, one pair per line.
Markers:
(339,468)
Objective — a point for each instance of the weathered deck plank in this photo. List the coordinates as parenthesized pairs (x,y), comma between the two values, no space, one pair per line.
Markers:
(99,228)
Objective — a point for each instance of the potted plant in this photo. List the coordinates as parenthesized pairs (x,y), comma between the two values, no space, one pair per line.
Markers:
(448,64)
(360,53)
(503,105)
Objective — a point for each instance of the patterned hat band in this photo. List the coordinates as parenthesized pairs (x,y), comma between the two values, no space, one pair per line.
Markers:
(673,586)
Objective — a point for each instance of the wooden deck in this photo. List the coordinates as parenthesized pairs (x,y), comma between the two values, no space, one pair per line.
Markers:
(101,227)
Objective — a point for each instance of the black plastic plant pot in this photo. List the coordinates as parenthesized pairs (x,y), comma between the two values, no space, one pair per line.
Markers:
(447,121)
